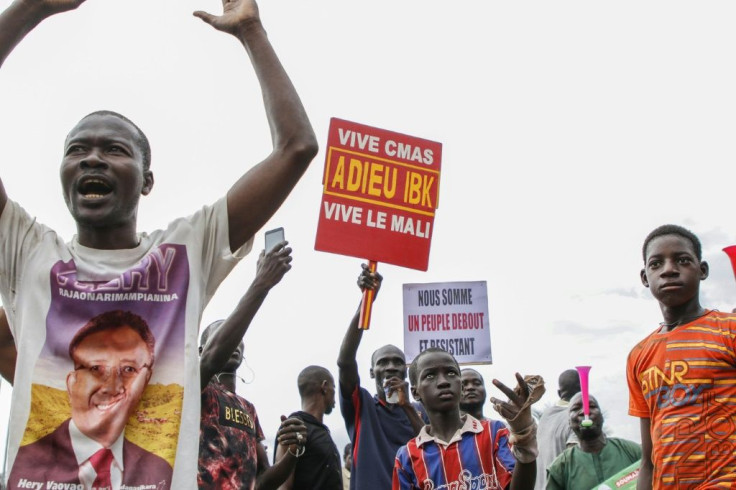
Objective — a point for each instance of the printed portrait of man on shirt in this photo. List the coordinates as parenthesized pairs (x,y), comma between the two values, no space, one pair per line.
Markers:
(113,360)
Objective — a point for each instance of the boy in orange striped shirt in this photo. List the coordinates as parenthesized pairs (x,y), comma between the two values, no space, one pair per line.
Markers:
(682,376)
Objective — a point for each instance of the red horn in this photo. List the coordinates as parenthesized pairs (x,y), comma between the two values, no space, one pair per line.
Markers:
(731,252)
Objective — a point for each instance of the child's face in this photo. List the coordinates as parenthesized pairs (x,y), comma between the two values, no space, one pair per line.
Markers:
(438,382)
(672,271)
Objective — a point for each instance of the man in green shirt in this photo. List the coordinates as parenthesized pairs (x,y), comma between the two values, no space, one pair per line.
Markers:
(596,458)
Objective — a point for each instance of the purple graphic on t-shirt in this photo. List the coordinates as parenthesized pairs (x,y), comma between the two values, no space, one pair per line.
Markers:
(154,289)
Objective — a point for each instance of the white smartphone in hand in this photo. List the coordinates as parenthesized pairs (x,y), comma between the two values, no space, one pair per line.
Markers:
(273,238)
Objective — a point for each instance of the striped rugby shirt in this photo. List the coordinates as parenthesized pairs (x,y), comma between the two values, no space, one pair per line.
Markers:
(477,456)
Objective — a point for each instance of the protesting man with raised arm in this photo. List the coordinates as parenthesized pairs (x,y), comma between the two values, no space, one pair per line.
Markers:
(231,451)
(49,287)
(376,427)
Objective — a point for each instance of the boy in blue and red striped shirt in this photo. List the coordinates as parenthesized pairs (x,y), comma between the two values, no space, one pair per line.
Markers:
(456,450)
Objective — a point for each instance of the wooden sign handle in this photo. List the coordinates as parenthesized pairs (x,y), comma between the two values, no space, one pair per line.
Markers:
(367,304)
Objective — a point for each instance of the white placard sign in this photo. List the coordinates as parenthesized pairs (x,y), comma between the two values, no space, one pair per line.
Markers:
(449,315)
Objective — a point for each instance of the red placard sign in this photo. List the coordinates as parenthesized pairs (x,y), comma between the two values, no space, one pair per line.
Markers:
(381,190)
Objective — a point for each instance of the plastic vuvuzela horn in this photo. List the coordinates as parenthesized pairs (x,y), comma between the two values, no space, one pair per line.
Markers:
(731,252)
(583,373)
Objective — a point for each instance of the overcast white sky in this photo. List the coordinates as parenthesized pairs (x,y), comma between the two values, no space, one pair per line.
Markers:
(570,130)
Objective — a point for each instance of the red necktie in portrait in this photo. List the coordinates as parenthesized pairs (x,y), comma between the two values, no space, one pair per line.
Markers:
(101,461)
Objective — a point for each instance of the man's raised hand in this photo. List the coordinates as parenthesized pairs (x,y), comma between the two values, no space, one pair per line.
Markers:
(369,280)
(236,14)
(517,410)
(272,266)
(51,7)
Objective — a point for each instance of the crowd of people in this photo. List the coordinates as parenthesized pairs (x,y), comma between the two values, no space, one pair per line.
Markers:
(423,427)
(89,325)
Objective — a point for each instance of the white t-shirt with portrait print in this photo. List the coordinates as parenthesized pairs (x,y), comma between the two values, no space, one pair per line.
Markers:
(50,289)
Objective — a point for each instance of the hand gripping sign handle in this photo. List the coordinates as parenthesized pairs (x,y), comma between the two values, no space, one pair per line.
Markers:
(367,303)
(583,373)
(731,252)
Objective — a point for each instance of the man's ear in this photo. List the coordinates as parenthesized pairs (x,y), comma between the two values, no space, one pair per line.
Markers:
(323,387)
(71,378)
(373,376)
(147,182)
(644,279)
(704,270)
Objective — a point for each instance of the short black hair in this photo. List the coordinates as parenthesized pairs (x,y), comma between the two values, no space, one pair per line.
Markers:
(112,320)
(476,372)
(142,140)
(413,370)
(373,356)
(310,380)
(569,383)
(673,230)
(579,394)
(207,331)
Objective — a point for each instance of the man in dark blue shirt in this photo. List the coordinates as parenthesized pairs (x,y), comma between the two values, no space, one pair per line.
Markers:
(377,428)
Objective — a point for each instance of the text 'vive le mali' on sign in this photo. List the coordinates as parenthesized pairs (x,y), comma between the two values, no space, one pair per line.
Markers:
(380,193)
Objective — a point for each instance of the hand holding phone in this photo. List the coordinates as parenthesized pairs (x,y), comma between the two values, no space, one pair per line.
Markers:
(273,238)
